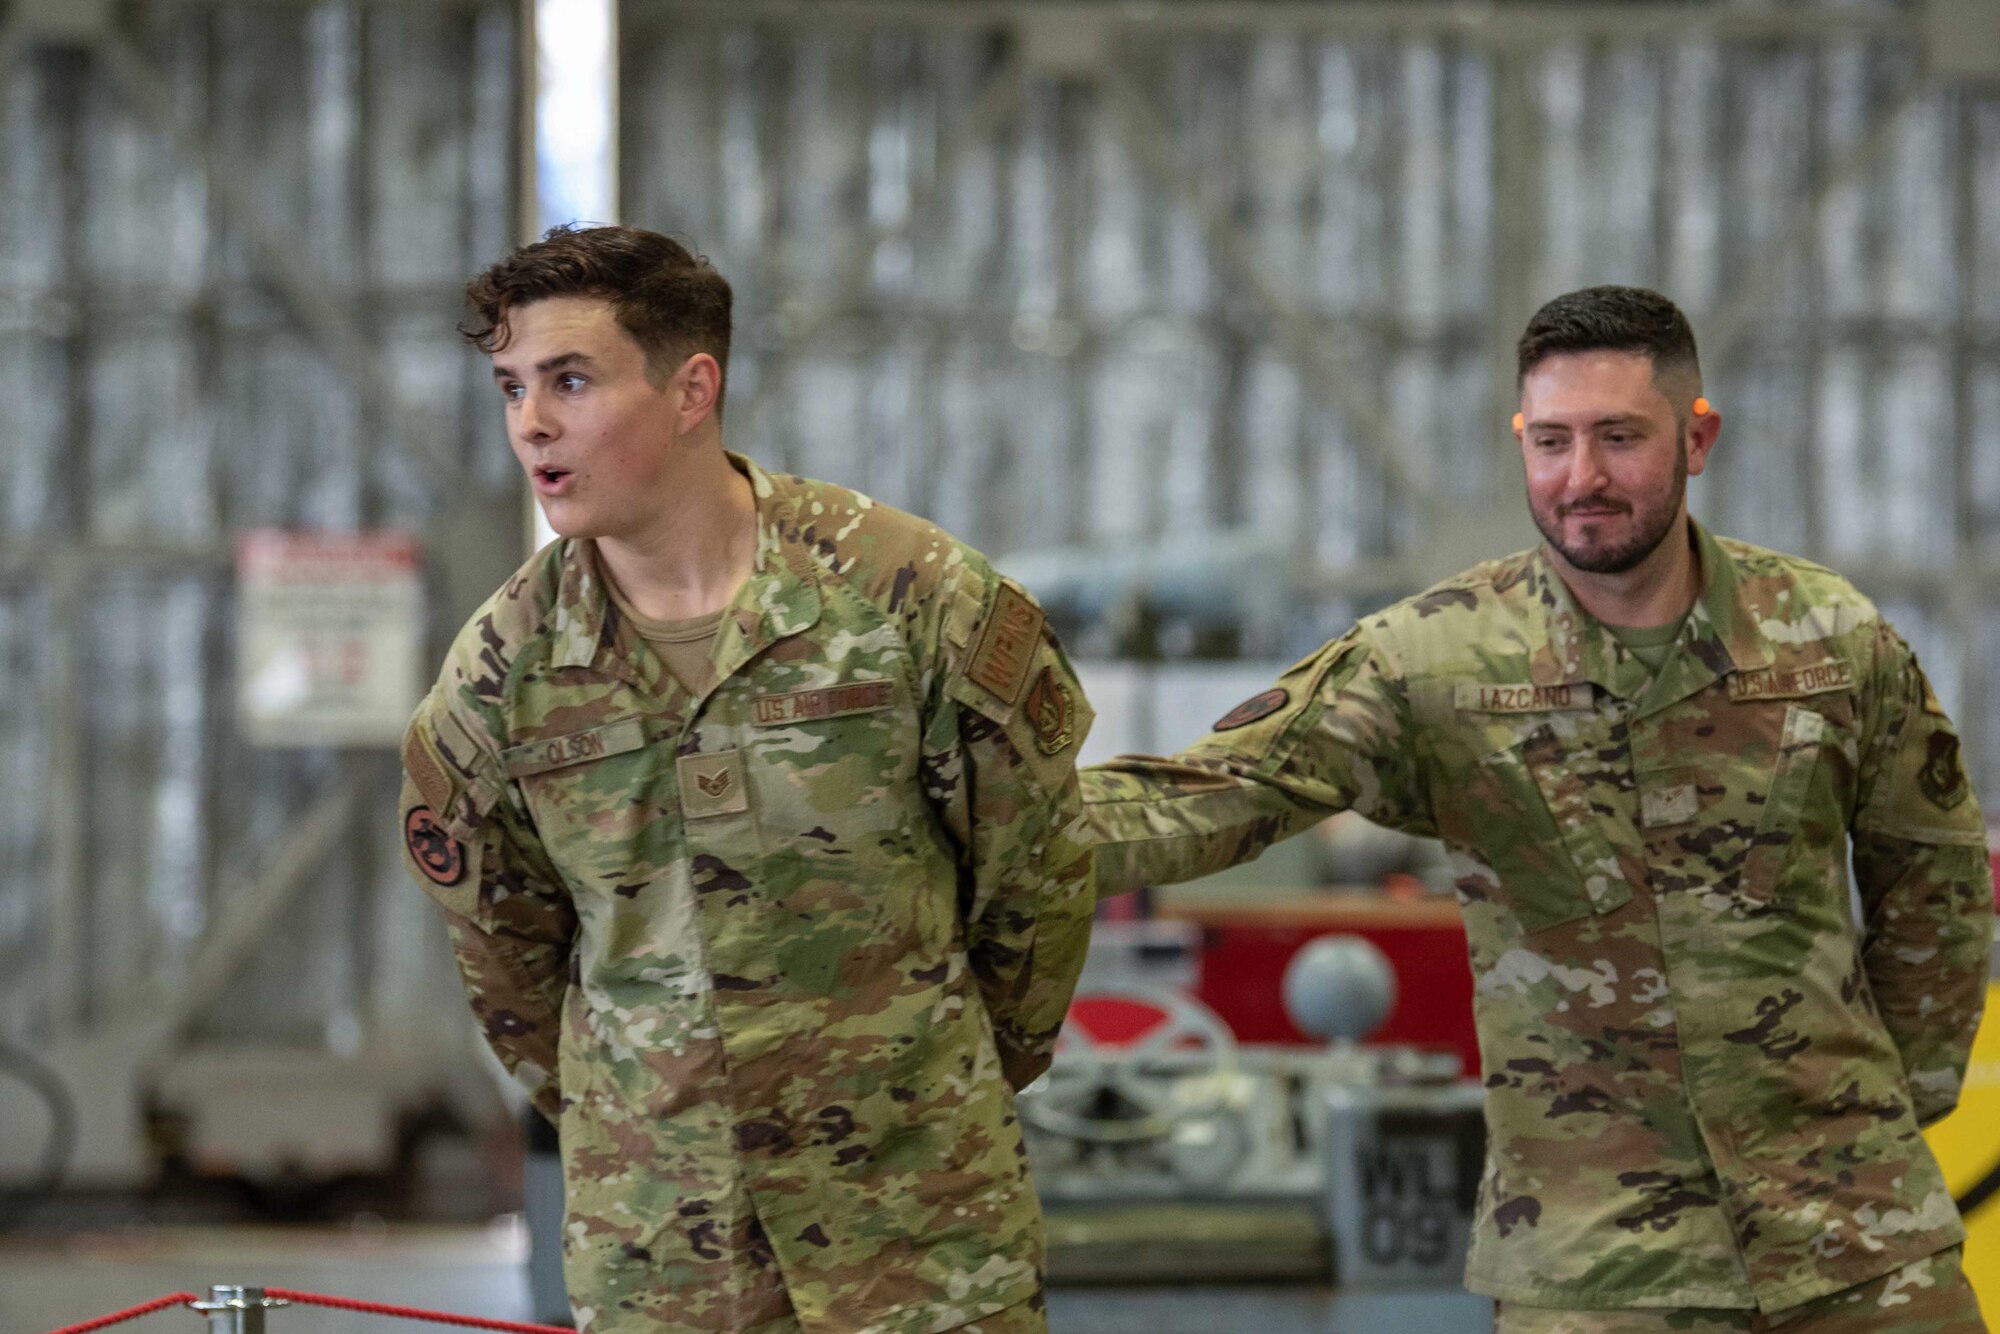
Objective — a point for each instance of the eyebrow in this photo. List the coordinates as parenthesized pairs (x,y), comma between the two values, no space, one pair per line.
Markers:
(1616,419)
(555,363)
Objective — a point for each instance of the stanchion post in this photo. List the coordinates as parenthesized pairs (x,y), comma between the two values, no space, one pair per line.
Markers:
(232,1309)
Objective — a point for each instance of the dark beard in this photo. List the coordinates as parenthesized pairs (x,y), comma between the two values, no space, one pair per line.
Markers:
(1653,530)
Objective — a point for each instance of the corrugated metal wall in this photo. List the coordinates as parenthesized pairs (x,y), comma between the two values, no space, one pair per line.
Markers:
(186,210)
(1239,273)
(1200,280)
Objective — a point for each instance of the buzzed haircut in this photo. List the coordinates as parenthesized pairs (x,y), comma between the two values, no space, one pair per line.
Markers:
(670,300)
(1611,319)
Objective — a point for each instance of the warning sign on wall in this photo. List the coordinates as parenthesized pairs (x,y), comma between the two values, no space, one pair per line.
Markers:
(329,637)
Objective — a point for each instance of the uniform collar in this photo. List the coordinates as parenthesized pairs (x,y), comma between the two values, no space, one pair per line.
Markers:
(780,598)
(1720,636)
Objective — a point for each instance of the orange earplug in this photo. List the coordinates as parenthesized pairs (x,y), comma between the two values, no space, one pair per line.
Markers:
(1702,408)
(1520,421)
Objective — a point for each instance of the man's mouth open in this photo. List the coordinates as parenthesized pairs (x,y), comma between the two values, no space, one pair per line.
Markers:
(551,480)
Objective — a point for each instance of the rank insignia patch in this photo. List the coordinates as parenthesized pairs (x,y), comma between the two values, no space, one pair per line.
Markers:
(1252,709)
(1052,710)
(713,784)
(437,854)
(1943,778)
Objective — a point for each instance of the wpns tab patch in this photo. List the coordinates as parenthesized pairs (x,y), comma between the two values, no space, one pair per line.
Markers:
(437,854)
(1006,644)
(1253,709)
(1051,709)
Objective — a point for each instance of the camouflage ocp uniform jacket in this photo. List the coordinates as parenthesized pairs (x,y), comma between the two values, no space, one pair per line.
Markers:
(1705,1071)
(776,954)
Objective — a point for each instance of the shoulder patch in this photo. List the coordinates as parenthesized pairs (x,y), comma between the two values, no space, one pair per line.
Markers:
(1253,709)
(1051,709)
(436,853)
(1942,778)
(1006,644)
(426,770)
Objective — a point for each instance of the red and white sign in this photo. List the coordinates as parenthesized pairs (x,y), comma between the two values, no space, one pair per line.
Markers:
(329,637)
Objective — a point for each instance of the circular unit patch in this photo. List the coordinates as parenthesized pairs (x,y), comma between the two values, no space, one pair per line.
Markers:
(1052,710)
(437,854)
(1252,709)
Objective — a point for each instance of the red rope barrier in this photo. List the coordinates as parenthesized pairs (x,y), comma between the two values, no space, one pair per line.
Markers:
(120,1317)
(405,1313)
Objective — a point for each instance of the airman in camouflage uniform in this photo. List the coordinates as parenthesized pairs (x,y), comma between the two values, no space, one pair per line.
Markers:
(1705,1066)
(774,955)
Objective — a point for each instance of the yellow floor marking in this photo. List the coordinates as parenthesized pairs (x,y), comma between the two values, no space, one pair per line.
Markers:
(1967,1143)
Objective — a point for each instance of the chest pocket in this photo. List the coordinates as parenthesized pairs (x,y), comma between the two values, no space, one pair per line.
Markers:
(1735,790)
(833,776)
(1529,810)
(602,801)
(833,766)
(1808,750)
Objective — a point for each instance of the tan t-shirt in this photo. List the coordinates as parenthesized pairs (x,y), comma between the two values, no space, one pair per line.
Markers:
(1650,644)
(687,647)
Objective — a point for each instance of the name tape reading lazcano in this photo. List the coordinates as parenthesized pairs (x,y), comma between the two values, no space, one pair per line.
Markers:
(1483,697)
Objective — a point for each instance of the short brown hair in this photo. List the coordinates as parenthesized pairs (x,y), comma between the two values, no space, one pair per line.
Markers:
(1610,319)
(670,300)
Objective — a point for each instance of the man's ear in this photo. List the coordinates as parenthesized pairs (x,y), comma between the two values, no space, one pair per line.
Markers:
(1703,428)
(699,381)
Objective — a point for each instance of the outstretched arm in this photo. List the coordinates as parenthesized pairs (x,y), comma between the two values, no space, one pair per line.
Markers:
(1334,733)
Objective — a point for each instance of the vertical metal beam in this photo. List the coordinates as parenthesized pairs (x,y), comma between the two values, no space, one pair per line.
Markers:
(1806,468)
(569,180)
(536,531)
(68,806)
(1517,165)
(1965,588)
(527,64)
(67,813)
(576,84)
